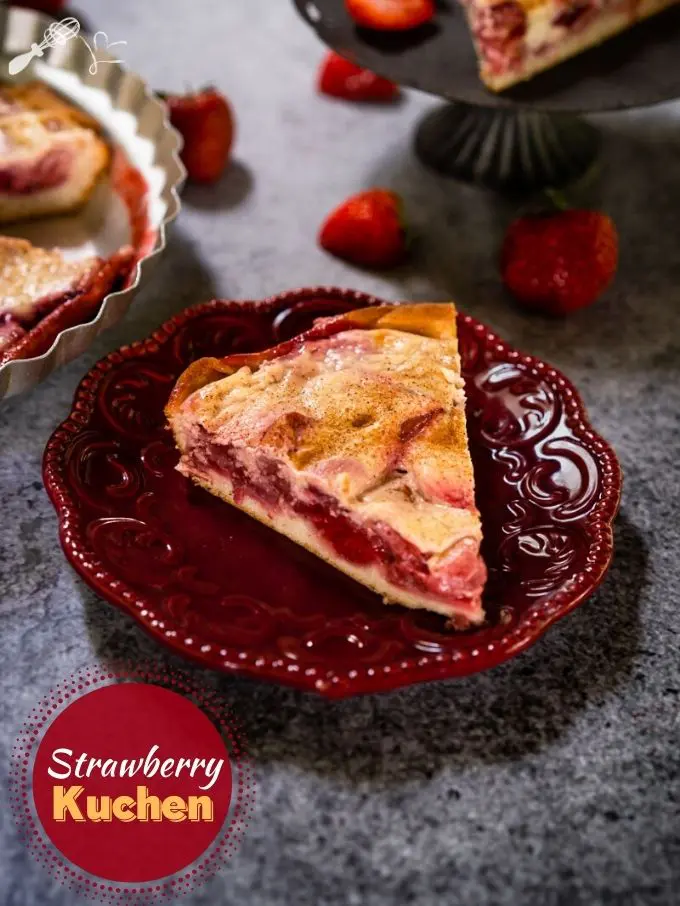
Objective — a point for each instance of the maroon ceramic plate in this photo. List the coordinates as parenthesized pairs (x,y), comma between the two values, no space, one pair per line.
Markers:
(220,588)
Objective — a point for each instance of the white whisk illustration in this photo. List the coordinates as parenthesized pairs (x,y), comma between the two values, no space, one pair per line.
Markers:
(58,33)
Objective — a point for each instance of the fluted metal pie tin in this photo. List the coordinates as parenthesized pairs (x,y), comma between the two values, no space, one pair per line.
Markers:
(137,124)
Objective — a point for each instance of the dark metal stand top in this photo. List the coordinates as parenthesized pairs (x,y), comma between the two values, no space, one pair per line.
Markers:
(635,69)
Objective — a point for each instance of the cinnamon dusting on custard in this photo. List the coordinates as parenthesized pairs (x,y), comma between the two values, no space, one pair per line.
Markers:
(29,274)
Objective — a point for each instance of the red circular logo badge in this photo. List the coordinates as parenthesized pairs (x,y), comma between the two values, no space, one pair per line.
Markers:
(140,784)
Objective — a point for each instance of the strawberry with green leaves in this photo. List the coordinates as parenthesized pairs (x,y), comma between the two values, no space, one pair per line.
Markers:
(367,230)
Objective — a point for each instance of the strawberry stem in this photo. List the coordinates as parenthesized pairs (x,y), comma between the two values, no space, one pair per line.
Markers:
(558,199)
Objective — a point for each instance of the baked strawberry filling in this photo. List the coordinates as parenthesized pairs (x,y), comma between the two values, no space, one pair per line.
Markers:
(48,171)
(10,332)
(454,577)
(500,30)
(42,293)
(575,16)
(517,38)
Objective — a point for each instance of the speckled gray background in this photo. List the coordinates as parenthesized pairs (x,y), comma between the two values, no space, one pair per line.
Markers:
(552,781)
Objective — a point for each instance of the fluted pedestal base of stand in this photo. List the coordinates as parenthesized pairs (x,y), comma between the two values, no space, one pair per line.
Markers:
(512,151)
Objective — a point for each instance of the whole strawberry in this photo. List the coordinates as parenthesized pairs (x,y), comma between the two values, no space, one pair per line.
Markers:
(340,78)
(206,124)
(391,15)
(559,262)
(367,229)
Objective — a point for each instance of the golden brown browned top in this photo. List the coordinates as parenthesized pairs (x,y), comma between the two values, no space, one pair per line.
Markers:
(33,120)
(28,274)
(371,409)
(34,97)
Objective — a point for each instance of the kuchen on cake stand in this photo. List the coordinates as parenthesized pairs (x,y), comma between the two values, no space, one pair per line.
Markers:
(530,137)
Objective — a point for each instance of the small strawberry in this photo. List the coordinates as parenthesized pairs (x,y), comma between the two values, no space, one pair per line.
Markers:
(206,123)
(367,229)
(391,15)
(561,261)
(341,79)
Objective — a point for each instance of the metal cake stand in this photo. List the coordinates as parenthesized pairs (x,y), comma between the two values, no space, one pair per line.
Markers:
(530,137)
